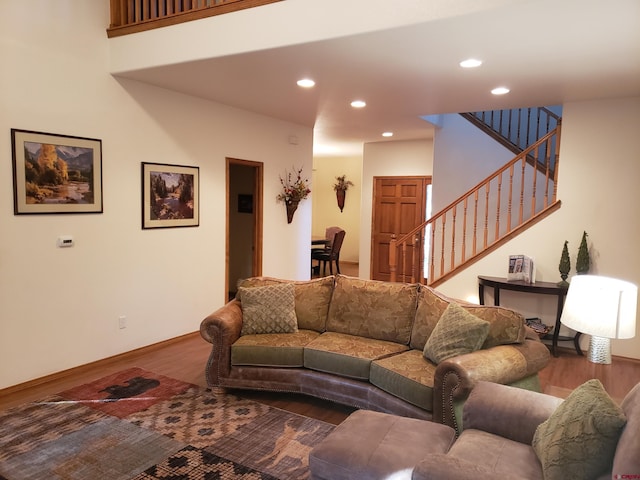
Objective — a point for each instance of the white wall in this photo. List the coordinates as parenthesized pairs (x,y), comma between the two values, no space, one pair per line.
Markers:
(59,308)
(326,212)
(479,153)
(405,158)
(598,187)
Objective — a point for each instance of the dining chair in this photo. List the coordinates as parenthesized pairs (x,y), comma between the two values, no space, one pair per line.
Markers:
(331,254)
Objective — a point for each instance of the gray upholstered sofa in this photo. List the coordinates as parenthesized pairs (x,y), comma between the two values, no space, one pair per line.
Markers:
(361,343)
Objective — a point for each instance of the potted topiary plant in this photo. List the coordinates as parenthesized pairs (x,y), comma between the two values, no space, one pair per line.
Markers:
(583,261)
(565,265)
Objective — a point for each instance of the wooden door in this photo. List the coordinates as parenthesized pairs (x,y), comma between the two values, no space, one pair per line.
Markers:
(399,205)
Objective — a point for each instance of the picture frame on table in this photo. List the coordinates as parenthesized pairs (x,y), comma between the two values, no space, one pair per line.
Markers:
(170,196)
(55,173)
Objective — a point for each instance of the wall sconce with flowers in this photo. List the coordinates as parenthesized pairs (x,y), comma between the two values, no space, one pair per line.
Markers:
(294,189)
(341,186)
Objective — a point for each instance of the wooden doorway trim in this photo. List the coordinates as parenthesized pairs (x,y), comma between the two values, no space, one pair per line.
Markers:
(258,176)
(399,205)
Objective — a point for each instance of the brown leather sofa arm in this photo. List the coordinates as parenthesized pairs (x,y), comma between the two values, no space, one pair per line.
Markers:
(221,329)
(456,377)
(512,413)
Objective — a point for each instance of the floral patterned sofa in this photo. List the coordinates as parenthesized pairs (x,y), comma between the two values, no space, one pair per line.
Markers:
(391,347)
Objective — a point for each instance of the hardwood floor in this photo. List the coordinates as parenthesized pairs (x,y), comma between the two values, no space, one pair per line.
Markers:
(185,358)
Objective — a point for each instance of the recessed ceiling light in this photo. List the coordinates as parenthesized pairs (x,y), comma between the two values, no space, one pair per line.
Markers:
(306,83)
(470,63)
(500,90)
(358,104)
(387,134)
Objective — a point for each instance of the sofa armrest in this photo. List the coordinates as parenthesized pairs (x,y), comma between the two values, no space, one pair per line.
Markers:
(456,377)
(444,467)
(222,328)
(508,412)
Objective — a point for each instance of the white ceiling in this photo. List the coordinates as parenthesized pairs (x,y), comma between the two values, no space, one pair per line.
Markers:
(548,52)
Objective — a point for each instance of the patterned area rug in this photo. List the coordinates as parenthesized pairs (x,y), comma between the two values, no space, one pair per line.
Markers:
(139,425)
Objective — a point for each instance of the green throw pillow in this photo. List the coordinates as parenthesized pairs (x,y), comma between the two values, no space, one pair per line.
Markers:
(269,309)
(456,333)
(579,439)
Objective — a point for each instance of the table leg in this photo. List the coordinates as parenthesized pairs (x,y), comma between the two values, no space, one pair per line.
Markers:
(556,328)
(576,342)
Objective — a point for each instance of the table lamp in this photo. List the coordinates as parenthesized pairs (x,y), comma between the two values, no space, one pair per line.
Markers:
(602,307)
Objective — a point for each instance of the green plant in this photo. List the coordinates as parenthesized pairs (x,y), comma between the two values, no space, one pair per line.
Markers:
(583,261)
(565,264)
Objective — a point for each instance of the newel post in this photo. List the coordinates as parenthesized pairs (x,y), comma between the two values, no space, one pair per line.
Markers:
(393,248)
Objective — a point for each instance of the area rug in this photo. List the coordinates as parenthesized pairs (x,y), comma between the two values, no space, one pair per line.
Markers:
(139,425)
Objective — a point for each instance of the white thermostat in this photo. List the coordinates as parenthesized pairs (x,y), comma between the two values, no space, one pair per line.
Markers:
(65,241)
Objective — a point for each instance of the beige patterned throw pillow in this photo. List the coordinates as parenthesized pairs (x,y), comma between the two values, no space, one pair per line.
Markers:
(456,333)
(579,439)
(268,309)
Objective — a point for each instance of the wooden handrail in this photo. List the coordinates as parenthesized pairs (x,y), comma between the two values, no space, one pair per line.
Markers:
(132,16)
(523,183)
(516,128)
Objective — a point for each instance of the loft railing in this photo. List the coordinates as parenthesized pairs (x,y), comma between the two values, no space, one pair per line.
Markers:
(480,220)
(131,16)
(520,127)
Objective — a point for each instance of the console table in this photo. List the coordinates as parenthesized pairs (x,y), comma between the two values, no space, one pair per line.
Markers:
(541,288)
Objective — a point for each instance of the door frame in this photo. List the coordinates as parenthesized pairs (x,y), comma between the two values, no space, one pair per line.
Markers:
(258,177)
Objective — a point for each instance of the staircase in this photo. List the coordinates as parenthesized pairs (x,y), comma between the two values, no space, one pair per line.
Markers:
(507,202)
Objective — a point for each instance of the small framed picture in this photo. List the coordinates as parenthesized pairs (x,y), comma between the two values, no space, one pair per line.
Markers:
(56,173)
(245,203)
(170,196)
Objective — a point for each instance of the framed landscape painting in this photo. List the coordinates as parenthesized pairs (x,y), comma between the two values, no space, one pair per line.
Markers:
(170,196)
(56,173)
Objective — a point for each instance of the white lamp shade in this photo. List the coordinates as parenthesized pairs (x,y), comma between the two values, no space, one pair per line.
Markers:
(601,306)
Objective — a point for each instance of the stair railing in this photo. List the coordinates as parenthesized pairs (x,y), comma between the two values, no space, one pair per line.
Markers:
(517,128)
(483,218)
(131,16)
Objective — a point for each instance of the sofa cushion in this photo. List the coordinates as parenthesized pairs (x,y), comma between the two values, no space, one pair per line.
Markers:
(495,457)
(431,306)
(372,309)
(372,445)
(311,299)
(580,437)
(506,325)
(347,355)
(268,309)
(272,350)
(456,333)
(407,375)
